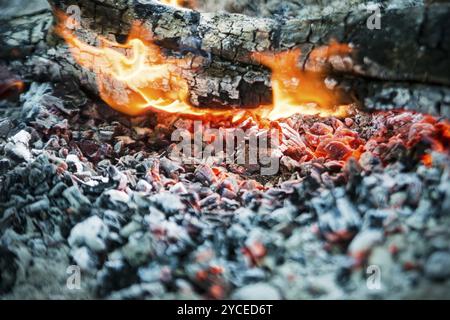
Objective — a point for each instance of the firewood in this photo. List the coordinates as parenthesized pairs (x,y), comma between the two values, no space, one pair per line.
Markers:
(409,54)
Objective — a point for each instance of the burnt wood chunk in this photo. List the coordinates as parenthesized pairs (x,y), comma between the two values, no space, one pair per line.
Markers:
(410,50)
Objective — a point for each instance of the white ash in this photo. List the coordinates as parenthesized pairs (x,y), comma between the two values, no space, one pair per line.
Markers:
(92,232)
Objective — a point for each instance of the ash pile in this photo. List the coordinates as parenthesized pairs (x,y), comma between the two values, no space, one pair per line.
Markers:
(84,186)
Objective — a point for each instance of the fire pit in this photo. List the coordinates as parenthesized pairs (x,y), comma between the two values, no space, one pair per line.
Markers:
(181,150)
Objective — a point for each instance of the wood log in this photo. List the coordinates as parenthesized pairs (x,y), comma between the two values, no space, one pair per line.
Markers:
(409,53)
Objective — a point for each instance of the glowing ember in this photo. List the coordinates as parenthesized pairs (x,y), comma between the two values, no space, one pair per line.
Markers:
(136,77)
(9,86)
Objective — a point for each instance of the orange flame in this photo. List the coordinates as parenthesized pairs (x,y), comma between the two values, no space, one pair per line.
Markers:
(132,77)
(9,86)
(174,3)
(179,3)
(136,77)
(301,91)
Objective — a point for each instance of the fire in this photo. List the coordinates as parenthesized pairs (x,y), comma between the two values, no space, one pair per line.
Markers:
(136,77)
(133,77)
(179,3)
(301,91)
(175,3)
(9,86)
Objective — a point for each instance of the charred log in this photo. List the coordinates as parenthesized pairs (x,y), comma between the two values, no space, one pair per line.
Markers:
(418,63)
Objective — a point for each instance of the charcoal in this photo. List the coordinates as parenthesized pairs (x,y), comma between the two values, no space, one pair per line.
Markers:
(139,291)
(437,266)
(130,228)
(369,161)
(72,160)
(118,177)
(113,220)
(341,222)
(205,175)
(18,147)
(75,198)
(398,199)
(154,273)
(5,127)
(363,242)
(8,269)
(57,189)
(42,205)
(167,202)
(282,215)
(170,167)
(138,250)
(91,232)
(445,190)
(114,200)
(115,275)
(35,177)
(375,218)
(144,186)
(37,104)
(5,164)
(257,291)
(84,258)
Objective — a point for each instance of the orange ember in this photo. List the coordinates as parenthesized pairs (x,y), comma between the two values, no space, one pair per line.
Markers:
(437,134)
(136,77)
(427,159)
(8,87)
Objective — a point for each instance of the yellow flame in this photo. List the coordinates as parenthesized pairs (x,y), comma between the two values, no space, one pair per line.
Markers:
(175,3)
(301,91)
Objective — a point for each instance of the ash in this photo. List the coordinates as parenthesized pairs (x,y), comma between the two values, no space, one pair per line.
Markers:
(83,186)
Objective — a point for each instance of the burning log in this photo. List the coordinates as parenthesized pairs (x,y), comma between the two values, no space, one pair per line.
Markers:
(382,73)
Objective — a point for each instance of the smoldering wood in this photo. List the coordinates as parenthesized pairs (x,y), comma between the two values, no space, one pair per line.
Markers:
(409,52)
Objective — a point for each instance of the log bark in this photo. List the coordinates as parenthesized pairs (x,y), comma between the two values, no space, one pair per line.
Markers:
(405,63)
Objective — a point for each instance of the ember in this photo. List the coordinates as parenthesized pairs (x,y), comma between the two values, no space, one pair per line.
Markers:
(9,83)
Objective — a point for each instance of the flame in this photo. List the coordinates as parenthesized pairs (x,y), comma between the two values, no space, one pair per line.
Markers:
(175,3)
(301,91)
(179,3)
(136,77)
(133,77)
(9,86)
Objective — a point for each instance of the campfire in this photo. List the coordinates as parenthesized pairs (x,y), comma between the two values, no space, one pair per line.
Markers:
(171,150)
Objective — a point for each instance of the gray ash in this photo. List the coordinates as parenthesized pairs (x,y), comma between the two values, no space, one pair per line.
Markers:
(83,185)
